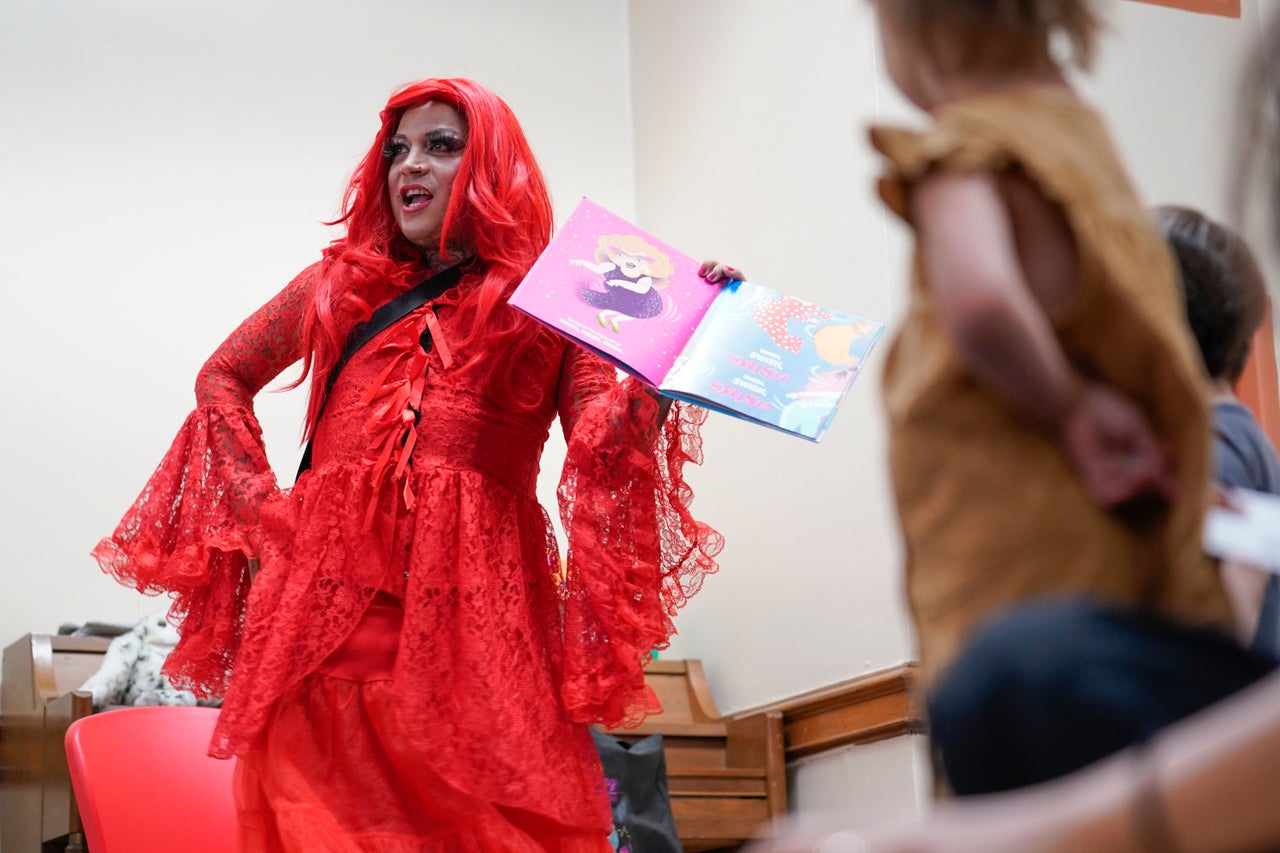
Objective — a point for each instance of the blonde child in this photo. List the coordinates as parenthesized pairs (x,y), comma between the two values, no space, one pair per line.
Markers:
(1049,427)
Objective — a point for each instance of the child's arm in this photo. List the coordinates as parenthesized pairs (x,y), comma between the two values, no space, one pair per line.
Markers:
(972,266)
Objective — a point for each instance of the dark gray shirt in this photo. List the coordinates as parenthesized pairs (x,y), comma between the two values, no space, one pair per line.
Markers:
(1245,459)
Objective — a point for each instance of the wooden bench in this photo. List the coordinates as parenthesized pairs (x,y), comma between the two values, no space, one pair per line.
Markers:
(727,776)
(38,701)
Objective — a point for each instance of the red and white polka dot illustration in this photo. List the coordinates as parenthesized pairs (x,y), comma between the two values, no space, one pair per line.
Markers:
(773,315)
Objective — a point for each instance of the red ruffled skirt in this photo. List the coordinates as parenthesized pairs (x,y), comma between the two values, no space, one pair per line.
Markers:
(335,771)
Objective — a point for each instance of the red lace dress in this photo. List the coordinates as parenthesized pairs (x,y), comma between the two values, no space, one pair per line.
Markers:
(412,668)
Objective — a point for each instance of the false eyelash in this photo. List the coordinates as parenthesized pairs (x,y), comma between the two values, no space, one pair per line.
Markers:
(447,138)
(393,148)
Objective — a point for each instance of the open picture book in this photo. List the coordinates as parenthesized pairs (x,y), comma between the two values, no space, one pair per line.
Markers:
(741,349)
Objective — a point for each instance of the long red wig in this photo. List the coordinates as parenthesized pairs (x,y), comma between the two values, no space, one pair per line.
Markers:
(499,213)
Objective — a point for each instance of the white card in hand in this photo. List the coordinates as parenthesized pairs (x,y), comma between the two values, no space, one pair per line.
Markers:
(1247,531)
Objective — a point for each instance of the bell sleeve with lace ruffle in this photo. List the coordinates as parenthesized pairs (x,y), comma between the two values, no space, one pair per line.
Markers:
(194,528)
(635,552)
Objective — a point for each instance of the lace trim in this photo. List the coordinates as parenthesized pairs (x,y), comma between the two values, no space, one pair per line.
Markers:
(636,554)
(191,532)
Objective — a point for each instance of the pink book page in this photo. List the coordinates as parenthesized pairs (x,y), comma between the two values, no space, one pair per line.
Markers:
(618,290)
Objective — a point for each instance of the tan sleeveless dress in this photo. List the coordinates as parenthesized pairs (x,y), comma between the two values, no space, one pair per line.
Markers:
(991,512)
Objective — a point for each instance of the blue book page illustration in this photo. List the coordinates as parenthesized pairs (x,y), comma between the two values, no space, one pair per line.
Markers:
(773,359)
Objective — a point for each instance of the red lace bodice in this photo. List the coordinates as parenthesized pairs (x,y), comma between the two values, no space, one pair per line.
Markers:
(505,654)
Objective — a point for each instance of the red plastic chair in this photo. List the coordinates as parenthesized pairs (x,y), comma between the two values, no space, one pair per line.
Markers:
(145,784)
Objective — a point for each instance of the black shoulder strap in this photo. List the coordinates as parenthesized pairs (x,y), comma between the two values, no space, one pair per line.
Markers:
(378,321)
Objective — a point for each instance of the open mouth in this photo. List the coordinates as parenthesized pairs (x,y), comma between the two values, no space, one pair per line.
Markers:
(414,198)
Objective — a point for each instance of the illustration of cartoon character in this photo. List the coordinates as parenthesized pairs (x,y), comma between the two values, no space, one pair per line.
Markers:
(844,344)
(774,315)
(813,404)
(633,272)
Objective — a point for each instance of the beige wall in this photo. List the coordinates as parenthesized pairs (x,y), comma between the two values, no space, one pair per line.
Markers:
(750,145)
(866,782)
(164,167)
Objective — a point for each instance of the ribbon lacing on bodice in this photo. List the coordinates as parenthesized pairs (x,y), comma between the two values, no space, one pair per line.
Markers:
(395,402)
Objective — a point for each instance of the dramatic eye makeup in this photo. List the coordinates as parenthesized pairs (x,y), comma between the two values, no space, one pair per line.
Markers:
(446,140)
(394,147)
(440,141)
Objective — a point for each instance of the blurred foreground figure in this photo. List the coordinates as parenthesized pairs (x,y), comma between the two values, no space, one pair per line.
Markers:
(1207,784)
(1049,422)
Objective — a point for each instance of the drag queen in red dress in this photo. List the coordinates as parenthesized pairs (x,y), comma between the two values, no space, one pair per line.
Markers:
(405,662)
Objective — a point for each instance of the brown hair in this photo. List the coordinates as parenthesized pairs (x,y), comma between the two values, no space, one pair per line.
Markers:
(973,34)
(1225,294)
